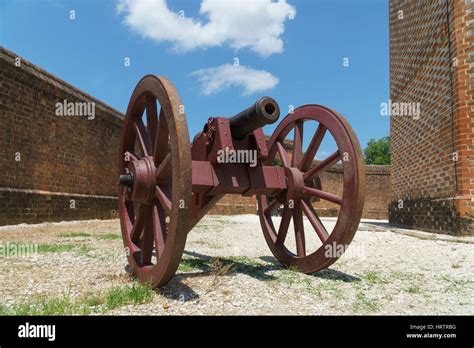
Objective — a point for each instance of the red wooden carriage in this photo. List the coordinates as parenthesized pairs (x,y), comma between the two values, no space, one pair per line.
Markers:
(167,184)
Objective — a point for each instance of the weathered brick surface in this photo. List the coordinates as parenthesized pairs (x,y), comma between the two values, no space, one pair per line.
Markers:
(30,206)
(431,51)
(70,155)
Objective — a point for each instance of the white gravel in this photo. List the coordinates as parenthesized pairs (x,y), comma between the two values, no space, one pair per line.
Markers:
(383,272)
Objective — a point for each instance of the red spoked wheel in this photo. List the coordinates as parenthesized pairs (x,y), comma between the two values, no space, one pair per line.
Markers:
(303,181)
(155,180)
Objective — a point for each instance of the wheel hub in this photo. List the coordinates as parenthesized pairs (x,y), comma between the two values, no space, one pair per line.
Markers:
(295,182)
(141,179)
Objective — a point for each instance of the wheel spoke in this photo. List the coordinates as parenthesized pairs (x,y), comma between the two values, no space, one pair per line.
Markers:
(314,220)
(159,227)
(164,169)
(139,223)
(151,119)
(164,200)
(284,225)
(147,240)
(312,148)
(324,195)
(161,144)
(283,154)
(130,212)
(321,166)
(140,132)
(297,144)
(299,230)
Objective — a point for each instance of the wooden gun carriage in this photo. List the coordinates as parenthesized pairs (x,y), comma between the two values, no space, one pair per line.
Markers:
(167,184)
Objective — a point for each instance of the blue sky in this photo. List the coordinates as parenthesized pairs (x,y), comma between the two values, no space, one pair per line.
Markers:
(89,53)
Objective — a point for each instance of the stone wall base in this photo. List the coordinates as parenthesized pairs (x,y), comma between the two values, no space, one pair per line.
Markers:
(432,215)
(33,206)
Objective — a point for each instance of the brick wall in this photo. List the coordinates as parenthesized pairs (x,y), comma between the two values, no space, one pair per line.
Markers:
(432,171)
(50,163)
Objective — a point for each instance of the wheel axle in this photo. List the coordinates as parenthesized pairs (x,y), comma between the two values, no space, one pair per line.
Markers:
(126,180)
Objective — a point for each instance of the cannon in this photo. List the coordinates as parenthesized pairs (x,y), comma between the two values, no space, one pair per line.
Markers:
(167,184)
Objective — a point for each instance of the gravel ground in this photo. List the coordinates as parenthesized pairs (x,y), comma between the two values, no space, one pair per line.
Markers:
(228,269)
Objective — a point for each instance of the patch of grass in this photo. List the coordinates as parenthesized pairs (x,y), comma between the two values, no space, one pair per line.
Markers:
(56,306)
(93,304)
(247,265)
(455,284)
(312,288)
(109,236)
(334,290)
(94,301)
(400,275)
(406,276)
(363,303)
(373,277)
(290,276)
(245,260)
(188,265)
(80,234)
(216,246)
(55,248)
(136,294)
(321,287)
(75,234)
(413,289)
(84,249)
(3,310)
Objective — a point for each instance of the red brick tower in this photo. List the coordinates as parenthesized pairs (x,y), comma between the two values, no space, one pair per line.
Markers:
(431,68)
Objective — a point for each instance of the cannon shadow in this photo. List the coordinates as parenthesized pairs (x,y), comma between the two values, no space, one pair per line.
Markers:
(244,265)
(328,273)
(201,265)
(209,265)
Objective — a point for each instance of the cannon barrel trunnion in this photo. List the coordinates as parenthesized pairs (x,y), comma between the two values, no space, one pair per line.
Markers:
(166,184)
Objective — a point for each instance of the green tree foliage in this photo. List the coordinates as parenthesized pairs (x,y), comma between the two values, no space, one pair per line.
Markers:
(277,162)
(378,151)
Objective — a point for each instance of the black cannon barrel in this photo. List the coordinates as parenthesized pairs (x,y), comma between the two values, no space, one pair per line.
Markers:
(264,111)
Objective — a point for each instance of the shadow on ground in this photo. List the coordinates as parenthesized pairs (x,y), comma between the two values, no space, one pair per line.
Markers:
(328,273)
(200,265)
(234,264)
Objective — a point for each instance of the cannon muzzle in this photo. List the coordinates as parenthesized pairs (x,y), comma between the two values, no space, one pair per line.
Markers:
(264,111)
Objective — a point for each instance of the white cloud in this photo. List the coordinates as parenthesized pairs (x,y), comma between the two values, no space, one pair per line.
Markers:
(321,155)
(256,24)
(215,79)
